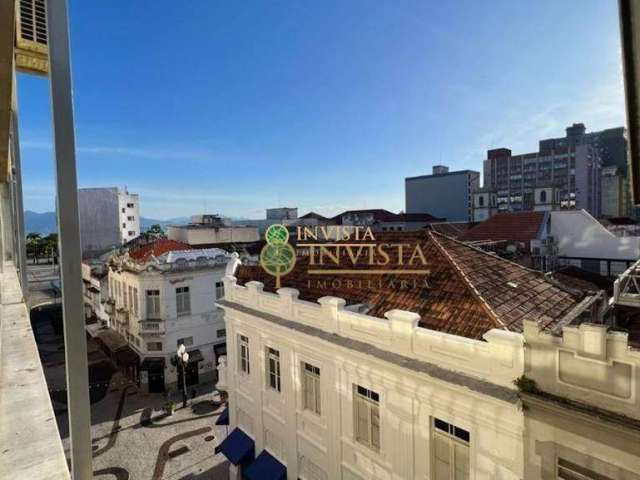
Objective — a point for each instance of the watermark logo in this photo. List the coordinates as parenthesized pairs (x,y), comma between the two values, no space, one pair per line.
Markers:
(277,257)
(346,251)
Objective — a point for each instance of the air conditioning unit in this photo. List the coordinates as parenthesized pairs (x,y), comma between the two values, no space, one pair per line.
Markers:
(32,48)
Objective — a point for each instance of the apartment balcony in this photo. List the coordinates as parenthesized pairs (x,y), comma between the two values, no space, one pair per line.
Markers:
(152,328)
(28,432)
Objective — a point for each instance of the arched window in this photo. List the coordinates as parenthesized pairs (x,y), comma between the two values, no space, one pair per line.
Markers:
(543,196)
(481,201)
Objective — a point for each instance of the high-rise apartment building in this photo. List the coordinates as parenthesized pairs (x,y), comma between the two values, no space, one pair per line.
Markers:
(564,173)
(109,217)
(443,194)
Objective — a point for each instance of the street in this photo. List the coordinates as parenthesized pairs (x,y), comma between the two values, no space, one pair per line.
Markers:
(133,437)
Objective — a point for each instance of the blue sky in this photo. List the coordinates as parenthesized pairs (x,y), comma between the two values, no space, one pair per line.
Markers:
(233,107)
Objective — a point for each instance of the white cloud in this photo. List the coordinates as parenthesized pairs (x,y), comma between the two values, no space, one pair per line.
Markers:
(171,153)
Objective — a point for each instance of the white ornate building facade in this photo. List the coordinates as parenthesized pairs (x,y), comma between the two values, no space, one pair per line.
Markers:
(320,391)
(162,296)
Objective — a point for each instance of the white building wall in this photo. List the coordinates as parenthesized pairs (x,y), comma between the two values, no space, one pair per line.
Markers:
(199,235)
(408,400)
(577,234)
(202,323)
(593,366)
(129,212)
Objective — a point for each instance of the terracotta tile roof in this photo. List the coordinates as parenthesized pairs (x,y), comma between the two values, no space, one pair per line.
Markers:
(515,226)
(452,229)
(157,248)
(467,292)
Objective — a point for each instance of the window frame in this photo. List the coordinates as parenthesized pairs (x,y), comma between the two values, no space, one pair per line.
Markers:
(183,299)
(576,470)
(367,400)
(244,358)
(219,286)
(135,301)
(311,375)
(455,437)
(152,297)
(274,369)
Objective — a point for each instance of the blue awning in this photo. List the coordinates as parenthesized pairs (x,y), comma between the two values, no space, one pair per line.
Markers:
(266,467)
(223,419)
(237,447)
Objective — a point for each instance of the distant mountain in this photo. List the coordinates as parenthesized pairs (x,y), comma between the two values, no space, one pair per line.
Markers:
(42,223)
(45,223)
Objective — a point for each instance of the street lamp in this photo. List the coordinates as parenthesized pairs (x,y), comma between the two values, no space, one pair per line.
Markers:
(183,360)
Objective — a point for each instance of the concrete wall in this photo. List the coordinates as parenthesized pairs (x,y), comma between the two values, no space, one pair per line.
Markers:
(445,196)
(6,221)
(587,364)
(99,218)
(590,365)
(409,401)
(203,236)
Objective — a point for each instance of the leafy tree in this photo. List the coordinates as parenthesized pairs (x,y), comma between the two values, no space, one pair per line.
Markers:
(34,246)
(51,246)
(155,231)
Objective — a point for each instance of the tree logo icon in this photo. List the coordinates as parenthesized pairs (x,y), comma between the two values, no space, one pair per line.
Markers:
(277,257)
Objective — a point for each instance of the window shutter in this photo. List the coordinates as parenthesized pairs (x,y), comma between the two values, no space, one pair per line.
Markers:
(32,37)
(442,457)
(375,426)
(362,421)
(461,453)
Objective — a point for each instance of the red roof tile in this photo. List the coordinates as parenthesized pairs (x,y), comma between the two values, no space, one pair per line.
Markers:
(157,248)
(467,292)
(516,226)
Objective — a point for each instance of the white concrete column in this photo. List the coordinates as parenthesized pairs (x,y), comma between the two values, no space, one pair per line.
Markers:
(255,290)
(331,307)
(287,297)
(403,325)
(69,240)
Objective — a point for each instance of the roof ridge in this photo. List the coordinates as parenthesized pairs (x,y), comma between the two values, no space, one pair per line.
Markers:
(465,244)
(470,285)
(550,281)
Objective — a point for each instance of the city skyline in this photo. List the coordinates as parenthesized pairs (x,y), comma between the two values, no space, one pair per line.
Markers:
(255,93)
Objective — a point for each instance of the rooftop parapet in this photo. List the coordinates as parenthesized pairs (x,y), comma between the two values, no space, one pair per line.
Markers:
(588,364)
(498,359)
